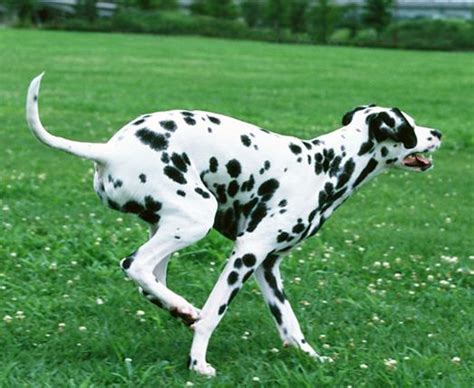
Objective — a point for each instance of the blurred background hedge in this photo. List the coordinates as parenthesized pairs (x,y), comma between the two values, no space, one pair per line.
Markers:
(369,23)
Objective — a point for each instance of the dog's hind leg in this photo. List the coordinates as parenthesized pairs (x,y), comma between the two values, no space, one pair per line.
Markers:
(270,282)
(147,266)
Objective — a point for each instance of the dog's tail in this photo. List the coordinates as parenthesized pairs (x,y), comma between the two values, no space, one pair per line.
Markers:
(93,151)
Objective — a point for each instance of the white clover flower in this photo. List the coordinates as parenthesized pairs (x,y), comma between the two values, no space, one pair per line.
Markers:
(456,360)
(61,326)
(274,350)
(7,319)
(82,328)
(363,366)
(140,313)
(444,283)
(189,384)
(20,315)
(128,360)
(390,363)
(256,379)
(99,301)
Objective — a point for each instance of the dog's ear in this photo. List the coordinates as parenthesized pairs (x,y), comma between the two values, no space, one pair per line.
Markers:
(382,126)
(405,133)
(347,118)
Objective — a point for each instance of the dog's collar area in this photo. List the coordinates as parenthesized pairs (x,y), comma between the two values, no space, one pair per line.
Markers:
(417,161)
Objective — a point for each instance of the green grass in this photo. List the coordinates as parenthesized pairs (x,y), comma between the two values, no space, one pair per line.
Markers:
(59,248)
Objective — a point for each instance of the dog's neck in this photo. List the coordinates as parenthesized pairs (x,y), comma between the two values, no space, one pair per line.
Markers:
(342,167)
(351,145)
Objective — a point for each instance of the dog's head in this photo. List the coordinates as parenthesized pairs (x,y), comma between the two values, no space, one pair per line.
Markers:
(393,136)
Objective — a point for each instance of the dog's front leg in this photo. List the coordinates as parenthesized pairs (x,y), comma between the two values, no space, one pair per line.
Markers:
(270,282)
(239,268)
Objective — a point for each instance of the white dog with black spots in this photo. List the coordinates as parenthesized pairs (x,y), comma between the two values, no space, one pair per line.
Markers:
(186,172)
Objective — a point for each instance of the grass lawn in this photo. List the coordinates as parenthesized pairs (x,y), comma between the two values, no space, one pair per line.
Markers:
(389,277)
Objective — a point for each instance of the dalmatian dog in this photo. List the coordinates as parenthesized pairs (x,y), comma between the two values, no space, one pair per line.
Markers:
(186,172)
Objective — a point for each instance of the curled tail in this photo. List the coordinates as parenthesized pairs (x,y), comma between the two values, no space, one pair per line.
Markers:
(94,151)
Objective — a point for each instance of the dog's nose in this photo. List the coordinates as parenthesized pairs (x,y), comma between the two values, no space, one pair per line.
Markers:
(436,133)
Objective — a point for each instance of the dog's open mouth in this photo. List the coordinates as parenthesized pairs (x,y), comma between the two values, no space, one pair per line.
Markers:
(418,162)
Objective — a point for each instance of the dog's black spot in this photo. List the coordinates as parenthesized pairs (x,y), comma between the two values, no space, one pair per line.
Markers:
(209,130)
(213,164)
(185,157)
(127,262)
(221,193)
(248,207)
(238,263)
(272,282)
(214,120)
(308,145)
(139,121)
(117,183)
(233,277)
(152,204)
(268,188)
(295,148)
(267,165)
(149,213)
(175,175)
(169,125)
(233,295)
(222,309)
(247,275)
(142,178)
(335,166)
(246,140)
(202,193)
(347,118)
(437,134)
(165,158)
(234,168)
(257,215)
(283,203)
(366,147)
(179,162)
(346,174)
(189,120)
(233,188)
(282,236)
(187,113)
(384,151)
(365,172)
(276,312)
(181,193)
(248,184)
(133,207)
(299,227)
(155,141)
(35,97)
(113,205)
(249,259)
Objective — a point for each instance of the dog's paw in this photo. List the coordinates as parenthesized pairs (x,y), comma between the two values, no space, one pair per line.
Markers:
(203,368)
(189,314)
